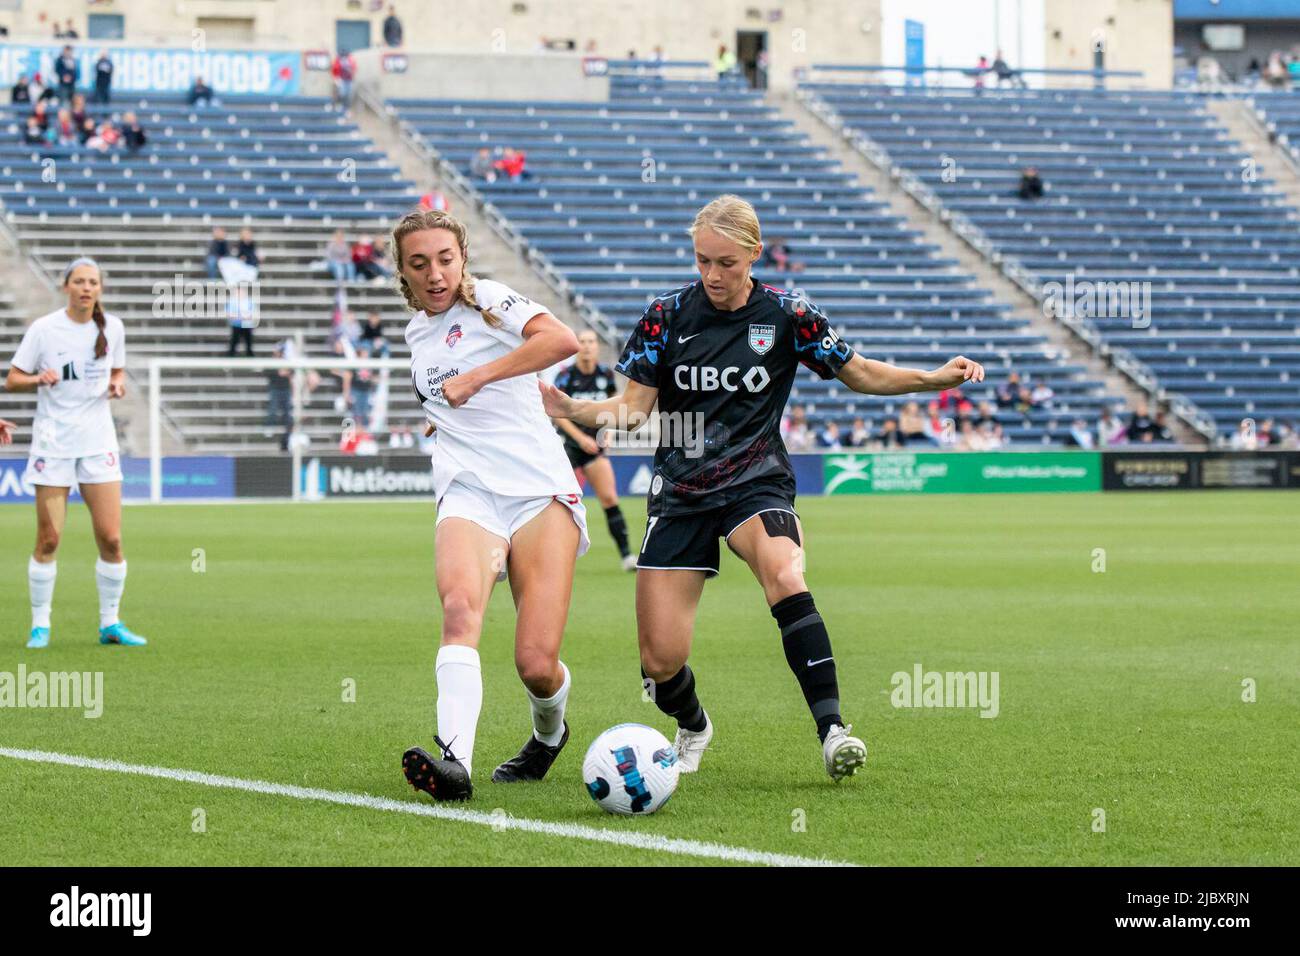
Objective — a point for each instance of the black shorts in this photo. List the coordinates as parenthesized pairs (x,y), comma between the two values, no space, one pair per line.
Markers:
(579,458)
(689,542)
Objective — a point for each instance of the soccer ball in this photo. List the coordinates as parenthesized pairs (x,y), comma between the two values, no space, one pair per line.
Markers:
(630,769)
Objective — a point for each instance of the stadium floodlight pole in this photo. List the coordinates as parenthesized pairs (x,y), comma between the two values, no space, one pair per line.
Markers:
(157,365)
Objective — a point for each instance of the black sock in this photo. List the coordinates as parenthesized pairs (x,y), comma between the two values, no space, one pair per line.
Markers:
(617,528)
(808,652)
(676,698)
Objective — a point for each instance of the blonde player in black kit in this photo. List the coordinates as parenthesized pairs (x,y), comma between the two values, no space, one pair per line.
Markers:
(586,379)
(721,353)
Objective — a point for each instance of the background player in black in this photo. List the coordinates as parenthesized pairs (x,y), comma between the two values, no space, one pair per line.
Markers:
(587,380)
(720,357)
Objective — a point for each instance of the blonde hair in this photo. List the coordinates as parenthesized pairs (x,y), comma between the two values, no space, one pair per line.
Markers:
(420,220)
(732,217)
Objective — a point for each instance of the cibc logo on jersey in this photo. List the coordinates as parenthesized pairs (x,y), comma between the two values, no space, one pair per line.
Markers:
(704,378)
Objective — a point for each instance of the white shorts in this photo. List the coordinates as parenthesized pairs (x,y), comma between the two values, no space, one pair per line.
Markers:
(503,515)
(66,472)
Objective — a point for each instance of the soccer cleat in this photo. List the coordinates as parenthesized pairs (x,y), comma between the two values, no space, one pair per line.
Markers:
(442,779)
(40,638)
(629,562)
(532,762)
(844,754)
(690,745)
(119,633)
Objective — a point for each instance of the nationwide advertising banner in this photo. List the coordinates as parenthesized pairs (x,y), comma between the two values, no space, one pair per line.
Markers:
(160,70)
(897,473)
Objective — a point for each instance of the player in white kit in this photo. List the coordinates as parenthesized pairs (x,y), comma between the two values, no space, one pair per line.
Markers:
(508,502)
(75,361)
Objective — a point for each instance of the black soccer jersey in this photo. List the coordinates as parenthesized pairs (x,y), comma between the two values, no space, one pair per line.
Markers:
(593,387)
(723,380)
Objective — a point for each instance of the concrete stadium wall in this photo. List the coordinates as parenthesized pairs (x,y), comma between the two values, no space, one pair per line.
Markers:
(475,76)
(1138,35)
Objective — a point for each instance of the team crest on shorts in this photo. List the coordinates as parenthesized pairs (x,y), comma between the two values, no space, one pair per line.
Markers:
(39,464)
(453,334)
(761,337)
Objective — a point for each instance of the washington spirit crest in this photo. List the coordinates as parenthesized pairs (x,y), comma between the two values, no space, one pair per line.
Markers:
(760,338)
(453,334)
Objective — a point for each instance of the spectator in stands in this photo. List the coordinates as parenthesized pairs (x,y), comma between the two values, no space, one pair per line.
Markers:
(343,348)
(1160,430)
(218,249)
(372,335)
(70,32)
(859,435)
(1276,74)
(39,92)
(435,199)
(363,390)
(513,164)
(1006,74)
(911,425)
(338,256)
(344,71)
(829,437)
(724,63)
(200,93)
(1245,438)
(889,438)
(66,74)
(103,78)
(1110,430)
(369,260)
(981,67)
(1041,396)
(20,92)
(1080,435)
(79,114)
(34,135)
(87,131)
(41,115)
(133,134)
(279,394)
(241,312)
(1140,424)
(969,438)
(1031,184)
(246,250)
(795,432)
(65,131)
(480,167)
(777,255)
(105,138)
(392,28)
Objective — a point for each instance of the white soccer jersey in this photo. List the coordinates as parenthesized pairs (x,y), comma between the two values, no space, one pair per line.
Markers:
(501,435)
(72,416)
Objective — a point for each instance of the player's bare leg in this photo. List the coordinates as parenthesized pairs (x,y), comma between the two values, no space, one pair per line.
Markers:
(771,543)
(541,581)
(600,475)
(42,569)
(666,601)
(104,501)
(468,558)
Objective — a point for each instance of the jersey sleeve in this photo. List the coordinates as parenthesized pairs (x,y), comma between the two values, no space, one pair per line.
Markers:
(512,308)
(645,347)
(28,357)
(816,344)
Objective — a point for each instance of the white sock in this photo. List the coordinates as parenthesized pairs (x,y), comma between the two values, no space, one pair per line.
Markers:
(548,712)
(40,582)
(111,579)
(460,697)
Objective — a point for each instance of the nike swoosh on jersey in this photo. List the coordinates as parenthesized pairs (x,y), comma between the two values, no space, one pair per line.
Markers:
(822,661)
(683,340)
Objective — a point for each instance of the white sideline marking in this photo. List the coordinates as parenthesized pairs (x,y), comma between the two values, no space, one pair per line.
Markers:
(638,841)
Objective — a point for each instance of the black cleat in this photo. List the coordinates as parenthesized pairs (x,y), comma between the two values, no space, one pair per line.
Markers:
(532,762)
(442,779)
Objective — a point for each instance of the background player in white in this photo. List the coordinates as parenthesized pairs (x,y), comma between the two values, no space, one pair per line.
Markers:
(587,378)
(75,361)
(508,503)
(7,429)
(725,350)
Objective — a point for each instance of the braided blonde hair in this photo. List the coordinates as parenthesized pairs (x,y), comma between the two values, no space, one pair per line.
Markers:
(421,220)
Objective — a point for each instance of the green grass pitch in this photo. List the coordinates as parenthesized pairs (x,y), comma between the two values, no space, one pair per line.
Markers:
(1119,690)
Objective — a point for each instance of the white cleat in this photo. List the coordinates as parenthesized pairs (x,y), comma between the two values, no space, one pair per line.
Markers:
(629,563)
(844,754)
(690,745)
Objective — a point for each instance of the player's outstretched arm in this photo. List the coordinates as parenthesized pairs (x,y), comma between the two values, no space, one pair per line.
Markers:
(547,340)
(871,377)
(633,404)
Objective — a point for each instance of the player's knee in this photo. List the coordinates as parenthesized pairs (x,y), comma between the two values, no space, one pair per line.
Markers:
(784,581)
(47,542)
(660,666)
(110,547)
(460,617)
(538,671)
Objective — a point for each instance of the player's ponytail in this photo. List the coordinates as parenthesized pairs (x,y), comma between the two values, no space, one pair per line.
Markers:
(97,313)
(418,221)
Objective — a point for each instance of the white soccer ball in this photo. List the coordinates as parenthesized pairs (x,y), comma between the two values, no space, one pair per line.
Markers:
(630,769)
